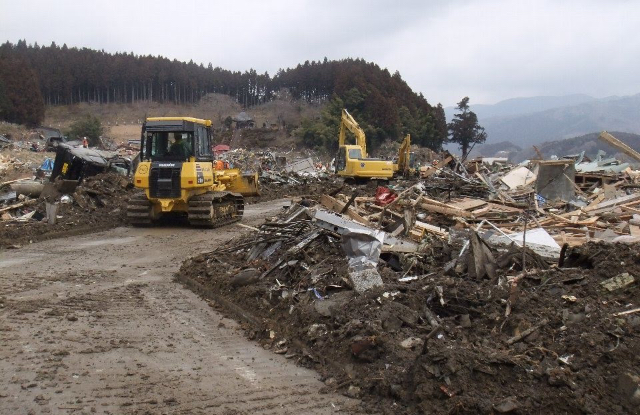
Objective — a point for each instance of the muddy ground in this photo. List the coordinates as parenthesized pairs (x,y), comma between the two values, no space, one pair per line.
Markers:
(95,324)
(442,342)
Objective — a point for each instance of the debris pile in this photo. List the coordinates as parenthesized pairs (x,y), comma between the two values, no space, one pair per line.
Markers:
(13,167)
(75,163)
(424,298)
(99,202)
(282,174)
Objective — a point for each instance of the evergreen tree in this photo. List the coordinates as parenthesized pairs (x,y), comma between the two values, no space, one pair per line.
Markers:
(464,128)
(20,98)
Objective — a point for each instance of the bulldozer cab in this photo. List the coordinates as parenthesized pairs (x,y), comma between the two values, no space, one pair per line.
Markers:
(176,139)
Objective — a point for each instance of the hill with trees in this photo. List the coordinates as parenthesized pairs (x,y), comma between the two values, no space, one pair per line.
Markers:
(380,100)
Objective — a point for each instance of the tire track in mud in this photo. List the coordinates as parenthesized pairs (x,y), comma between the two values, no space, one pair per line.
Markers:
(95,323)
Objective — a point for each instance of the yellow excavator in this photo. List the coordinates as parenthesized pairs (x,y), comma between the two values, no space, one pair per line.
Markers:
(352,161)
(176,173)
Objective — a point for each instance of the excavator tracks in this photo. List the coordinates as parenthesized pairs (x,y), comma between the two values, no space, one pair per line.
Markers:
(215,209)
(139,210)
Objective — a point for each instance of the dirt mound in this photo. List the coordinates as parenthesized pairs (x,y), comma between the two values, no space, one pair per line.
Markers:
(98,203)
(437,342)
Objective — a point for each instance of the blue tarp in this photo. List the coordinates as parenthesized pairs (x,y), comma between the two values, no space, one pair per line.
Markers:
(47,165)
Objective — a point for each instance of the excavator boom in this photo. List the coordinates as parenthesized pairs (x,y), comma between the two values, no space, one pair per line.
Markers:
(404,155)
(349,123)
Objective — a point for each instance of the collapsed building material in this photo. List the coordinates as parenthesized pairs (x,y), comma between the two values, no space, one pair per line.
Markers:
(502,314)
(301,166)
(75,163)
(363,250)
(519,177)
(556,179)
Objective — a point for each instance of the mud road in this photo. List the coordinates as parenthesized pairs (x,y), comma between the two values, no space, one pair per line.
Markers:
(95,324)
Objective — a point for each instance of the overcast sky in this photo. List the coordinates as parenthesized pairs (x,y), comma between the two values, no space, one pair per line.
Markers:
(488,50)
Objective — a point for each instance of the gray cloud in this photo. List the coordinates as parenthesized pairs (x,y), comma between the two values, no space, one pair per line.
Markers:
(489,50)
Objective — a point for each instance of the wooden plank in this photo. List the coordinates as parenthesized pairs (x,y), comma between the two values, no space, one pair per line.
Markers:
(629,209)
(18,205)
(504,208)
(446,210)
(468,203)
(571,240)
(365,199)
(337,206)
(436,230)
(14,181)
(614,142)
(558,217)
(637,202)
(416,234)
(436,203)
(482,211)
(614,202)
(432,169)
(599,198)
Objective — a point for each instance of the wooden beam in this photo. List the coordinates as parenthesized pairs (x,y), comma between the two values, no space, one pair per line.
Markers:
(18,205)
(337,206)
(14,181)
(614,142)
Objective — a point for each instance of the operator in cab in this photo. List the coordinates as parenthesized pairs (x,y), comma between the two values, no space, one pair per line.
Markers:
(180,148)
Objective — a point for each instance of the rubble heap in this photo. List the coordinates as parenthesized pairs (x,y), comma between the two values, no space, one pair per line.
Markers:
(450,318)
(99,202)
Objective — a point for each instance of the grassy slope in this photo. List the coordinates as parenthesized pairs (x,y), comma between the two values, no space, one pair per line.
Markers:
(123,120)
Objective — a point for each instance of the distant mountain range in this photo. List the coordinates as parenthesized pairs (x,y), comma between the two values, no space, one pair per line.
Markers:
(520,106)
(527,121)
(589,143)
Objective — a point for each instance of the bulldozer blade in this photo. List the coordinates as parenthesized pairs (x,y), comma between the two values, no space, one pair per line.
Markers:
(245,184)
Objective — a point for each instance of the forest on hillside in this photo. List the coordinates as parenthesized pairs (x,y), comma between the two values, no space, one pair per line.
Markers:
(34,76)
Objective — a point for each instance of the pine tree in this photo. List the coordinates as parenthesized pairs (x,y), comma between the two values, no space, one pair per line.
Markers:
(464,128)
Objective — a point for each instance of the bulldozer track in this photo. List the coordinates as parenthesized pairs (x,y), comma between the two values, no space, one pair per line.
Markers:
(139,210)
(215,209)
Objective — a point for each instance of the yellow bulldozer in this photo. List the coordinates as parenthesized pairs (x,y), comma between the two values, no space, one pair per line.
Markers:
(177,175)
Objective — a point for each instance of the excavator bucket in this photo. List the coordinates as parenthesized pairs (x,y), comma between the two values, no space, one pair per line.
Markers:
(237,182)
